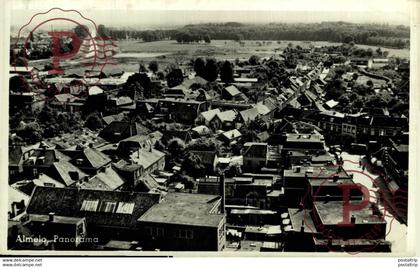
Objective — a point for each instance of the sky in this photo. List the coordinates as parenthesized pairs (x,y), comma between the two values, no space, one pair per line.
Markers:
(146,14)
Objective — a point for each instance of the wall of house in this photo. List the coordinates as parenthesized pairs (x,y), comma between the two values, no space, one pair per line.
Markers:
(173,237)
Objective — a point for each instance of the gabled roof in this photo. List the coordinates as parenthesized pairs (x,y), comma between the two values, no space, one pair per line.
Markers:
(262,108)
(147,157)
(63,170)
(197,79)
(95,90)
(108,179)
(149,183)
(331,103)
(65,98)
(206,157)
(228,115)
(114,117)
(255,150)
(232,134)
(232,90)
(69,201)
(96,158)
(249,115)
(209,115)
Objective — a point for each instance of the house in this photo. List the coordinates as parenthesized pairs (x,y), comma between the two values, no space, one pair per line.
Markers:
(77,139)
(150,159)
(118,104)
(200,130)
(17,202)
(89,160)
(206,117)
(32,100)
(224,120)
(232,93)
(95,90)
(114,117)
(180,110)
(208,159)
(378,63)
(135,142)
(66,103)
(229,137)
(61,232)
(52,163)
(249,115)
(178,91)
(197,81)
(296,181)
(254,156)
(106,179)
(185,222)
(119,130)
(108,214)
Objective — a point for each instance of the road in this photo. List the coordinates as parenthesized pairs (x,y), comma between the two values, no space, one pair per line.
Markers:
(396,231)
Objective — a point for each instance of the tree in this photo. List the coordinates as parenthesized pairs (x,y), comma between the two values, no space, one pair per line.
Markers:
(19,84)
(94,122)
(200,67)
(81,31)
(226,72)
(142,68)
(103,32)
(176,147)
(207,39)
(212,70)
(254,59)
(193,166)
(153,66)
(174,77)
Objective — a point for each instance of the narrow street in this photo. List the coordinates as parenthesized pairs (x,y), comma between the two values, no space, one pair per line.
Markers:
(396,231)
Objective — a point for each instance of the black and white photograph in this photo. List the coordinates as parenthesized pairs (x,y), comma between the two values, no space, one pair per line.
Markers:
(261,128)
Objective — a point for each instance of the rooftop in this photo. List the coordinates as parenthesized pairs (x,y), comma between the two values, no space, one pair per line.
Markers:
(185,209)
(331,213)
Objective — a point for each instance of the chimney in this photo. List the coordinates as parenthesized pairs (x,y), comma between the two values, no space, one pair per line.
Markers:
(222,192)
(353,219)
(297,169)
(51,216)
(302,227)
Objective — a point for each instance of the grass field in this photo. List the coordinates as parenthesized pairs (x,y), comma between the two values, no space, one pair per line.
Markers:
(133,52)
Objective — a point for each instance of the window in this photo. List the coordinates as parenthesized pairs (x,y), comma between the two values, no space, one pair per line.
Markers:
(155,231)
(89,205)
(185,234)
(107,206)
(125,208)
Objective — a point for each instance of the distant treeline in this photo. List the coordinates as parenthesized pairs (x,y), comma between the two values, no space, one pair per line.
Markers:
(396,36)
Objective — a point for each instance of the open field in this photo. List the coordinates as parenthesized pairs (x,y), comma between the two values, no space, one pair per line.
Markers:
(132,52)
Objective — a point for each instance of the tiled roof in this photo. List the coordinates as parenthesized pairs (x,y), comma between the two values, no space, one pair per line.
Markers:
(232,90)
(249,115)
(108,179)
(96,158)
(68,202)
(63,170)
(228,115)
(209,115)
